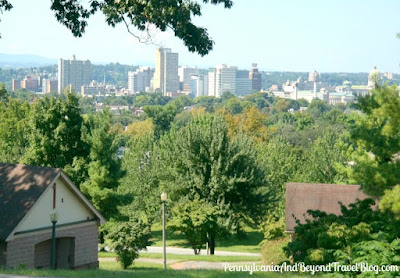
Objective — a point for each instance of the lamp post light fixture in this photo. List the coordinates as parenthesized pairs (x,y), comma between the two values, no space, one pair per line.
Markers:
(163,201)
(53,219)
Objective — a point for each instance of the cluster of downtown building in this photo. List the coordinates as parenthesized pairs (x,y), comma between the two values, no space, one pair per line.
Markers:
(170,79)
(167,78)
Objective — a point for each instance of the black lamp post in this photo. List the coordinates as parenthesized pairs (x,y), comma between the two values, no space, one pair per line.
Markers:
(54,219)
(163,201)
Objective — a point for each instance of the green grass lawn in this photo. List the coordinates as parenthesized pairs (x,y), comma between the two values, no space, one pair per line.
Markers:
(248,243)
(190,257)
(143,270)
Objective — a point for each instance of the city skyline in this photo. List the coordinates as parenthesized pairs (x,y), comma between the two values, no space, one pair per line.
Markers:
(334,36)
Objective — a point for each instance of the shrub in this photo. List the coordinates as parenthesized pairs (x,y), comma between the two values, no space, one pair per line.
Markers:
(127,239)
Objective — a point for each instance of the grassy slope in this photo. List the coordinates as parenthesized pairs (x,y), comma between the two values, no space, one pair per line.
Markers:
(249,243)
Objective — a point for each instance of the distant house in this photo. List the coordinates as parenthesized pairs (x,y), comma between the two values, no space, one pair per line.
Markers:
(301,197)
(28,194)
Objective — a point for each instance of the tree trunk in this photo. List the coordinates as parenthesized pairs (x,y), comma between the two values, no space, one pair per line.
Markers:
(211,241)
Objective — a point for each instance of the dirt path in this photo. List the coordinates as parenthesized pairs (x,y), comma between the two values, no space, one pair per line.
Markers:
(179,265)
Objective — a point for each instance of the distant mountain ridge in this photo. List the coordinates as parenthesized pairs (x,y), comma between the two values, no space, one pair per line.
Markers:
(24,61)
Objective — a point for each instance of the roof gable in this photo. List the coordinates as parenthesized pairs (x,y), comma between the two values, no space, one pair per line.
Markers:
(20,187)
(301,197)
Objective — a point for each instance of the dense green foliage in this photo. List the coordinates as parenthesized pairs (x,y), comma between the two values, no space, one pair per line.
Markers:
(359,235)
(224,163)
(362,234)
(375,139)
(202,162)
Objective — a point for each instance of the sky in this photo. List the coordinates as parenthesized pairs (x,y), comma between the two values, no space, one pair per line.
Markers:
(279,35)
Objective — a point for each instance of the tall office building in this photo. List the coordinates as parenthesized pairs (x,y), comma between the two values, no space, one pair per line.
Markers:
(49,86)
(139,80)
(199,85)
(16,84)
(211,82)
(255,77)
(166,73)
(73,72)
(185,73)
(243,83)
(222,79)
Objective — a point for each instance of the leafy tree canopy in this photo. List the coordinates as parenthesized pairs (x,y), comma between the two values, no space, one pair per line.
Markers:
(375,138)
(202,161)
(175,15)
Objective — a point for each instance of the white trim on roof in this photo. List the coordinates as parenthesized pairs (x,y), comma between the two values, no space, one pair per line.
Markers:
(78,194)
(11,235)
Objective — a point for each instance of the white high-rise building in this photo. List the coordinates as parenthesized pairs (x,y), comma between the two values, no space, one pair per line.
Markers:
(139,80)
(73,72)
(223,79)
(166,73)
(211,82)
(185,73)
(199,85)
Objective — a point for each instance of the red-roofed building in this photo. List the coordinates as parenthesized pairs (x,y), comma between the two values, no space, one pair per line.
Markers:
(301,197)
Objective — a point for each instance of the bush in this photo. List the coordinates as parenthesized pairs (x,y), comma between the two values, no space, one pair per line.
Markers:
(274,228)
(359,235)
(127,239)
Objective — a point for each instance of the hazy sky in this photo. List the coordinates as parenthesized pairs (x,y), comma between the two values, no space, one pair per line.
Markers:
(292,35)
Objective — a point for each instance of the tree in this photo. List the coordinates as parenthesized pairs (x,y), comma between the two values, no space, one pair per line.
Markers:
(56,132)
(162,117)
(281,162)
(260,99)
(375,138)
(14,127)
(176,15)
(227,96)
(3,93)
(142,179)
(140,128)
(181,102)
(303,102)
(251,121)
(144,99)
(317,108)
(104,168)
(323,159)
(207,102)
(201,160)
(194,218)
(234,106)
(282,105)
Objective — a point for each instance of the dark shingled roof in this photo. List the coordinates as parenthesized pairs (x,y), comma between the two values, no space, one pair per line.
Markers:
(301,197)
(20,187)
